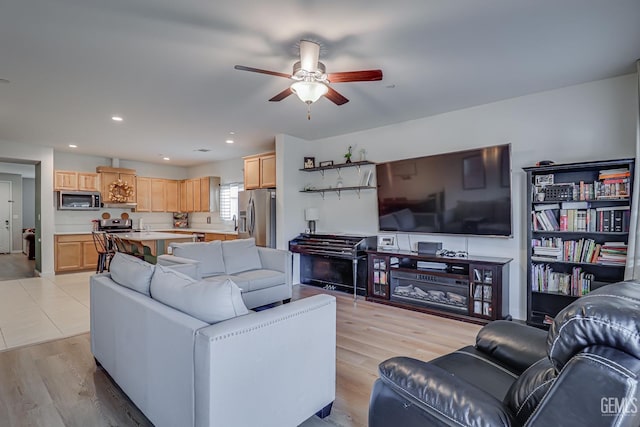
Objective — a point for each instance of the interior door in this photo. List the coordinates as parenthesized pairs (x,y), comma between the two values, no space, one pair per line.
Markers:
(5,217)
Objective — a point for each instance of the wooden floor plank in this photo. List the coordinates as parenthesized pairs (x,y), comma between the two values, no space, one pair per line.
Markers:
(58,384)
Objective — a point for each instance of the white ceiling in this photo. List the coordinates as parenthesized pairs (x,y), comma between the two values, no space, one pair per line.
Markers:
(167,66)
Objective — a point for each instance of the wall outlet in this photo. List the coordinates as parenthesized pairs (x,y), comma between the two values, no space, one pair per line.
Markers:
(208,220)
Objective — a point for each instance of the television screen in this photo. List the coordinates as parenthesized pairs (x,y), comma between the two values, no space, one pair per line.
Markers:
(465,192)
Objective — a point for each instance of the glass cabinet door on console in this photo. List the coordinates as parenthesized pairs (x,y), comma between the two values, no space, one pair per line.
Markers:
(379,275)
(482,291)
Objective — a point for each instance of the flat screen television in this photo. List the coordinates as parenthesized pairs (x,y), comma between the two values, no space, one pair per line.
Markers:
(465,192)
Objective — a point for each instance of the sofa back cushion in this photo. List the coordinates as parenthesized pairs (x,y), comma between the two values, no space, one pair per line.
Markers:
(240,255)
(206,300)
(209,254)
(131,272)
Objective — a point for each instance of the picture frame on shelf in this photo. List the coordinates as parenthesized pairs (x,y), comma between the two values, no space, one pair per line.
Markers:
(326,163)
(542,180)
(309,162)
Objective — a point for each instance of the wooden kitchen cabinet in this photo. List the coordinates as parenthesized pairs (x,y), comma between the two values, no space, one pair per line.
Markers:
(205,196)
(158,195)
(108,175)
(143,194)
(260,171)
(172,196)
(76,181)
(208,237)
(75,252)
(183,196)
(196,195)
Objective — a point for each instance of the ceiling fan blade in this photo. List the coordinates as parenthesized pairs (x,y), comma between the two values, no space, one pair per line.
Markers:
(258,70)
(335,97)
(355,76)
(309,55)
(282,95)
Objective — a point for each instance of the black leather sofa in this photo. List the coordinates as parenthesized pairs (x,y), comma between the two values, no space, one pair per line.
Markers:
(585,371)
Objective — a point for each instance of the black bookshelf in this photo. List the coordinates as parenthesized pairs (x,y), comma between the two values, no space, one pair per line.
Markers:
(573,207)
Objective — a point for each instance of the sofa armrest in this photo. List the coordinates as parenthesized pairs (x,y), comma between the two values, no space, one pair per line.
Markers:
(186,266)
(514,344)
(447,399)
(275,259)
(291,347)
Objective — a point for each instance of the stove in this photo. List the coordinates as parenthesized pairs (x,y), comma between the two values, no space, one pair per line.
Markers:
(115,225)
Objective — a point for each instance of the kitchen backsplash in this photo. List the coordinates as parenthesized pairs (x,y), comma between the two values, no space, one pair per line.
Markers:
(81,221)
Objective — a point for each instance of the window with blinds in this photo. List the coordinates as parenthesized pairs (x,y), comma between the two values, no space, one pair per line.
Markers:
(229,200)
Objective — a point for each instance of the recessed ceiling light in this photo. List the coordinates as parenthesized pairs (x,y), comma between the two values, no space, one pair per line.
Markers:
(73,146)
(229,141)
(166,158)
(116,118)
(232,133)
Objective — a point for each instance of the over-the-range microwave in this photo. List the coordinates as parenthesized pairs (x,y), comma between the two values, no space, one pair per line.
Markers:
(78,200)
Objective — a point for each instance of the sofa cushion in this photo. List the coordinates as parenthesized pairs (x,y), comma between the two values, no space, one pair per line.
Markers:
(260,279)
(209,254)
(240,255)
(241,282)
(207,300)
(131,272)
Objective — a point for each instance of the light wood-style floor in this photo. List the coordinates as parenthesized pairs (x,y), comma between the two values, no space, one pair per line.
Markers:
(58,384)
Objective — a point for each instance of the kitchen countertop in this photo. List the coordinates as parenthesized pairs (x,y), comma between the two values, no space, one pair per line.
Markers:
(160,230)
(199,230)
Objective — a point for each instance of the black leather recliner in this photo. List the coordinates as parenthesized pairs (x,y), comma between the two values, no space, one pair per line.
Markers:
(584,372)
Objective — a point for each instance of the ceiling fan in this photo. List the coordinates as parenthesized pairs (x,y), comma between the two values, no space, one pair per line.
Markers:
(311,81)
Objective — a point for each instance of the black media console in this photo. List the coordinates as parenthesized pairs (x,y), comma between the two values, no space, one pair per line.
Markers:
(473,289)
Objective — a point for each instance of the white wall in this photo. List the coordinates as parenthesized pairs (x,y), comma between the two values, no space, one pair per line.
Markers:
(14,152)
(584,122)
(228,170)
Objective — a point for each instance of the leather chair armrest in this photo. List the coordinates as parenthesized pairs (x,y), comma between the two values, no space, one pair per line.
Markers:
(447,398)
(514,344)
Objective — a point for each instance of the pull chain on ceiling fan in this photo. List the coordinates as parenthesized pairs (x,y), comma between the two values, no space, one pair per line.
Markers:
(311,81)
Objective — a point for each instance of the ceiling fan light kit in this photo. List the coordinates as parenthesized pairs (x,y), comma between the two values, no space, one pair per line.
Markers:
(311,79)
(309,91)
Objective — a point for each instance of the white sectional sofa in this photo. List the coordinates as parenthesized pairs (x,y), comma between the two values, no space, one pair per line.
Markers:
(163,338)
(263,274)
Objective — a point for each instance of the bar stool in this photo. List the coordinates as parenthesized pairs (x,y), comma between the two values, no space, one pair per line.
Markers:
(102,247)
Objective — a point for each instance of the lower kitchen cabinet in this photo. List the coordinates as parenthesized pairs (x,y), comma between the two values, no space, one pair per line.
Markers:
(75,252)
(208,237)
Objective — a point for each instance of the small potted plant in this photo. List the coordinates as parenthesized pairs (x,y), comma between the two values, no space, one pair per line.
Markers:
(348,154)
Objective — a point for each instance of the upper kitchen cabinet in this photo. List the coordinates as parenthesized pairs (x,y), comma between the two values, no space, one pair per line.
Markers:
(260,171)
(172,195)
(80,181)
(143,194)
(200,194)
(109,175)
(157,195)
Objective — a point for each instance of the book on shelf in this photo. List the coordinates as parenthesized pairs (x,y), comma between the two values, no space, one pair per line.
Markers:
(547,206)
(576,283)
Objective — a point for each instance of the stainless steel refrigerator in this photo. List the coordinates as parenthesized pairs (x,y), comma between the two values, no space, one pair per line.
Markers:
(257,216)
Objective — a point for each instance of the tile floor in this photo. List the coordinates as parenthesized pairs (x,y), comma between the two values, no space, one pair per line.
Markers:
(38,309)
